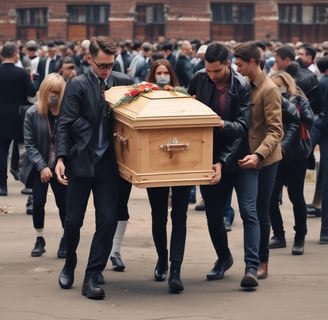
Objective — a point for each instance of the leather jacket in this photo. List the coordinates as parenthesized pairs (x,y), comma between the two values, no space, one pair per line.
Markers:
(291,125)
(290,143)
(82,110)
(231,142)
(309,84)
(37,142)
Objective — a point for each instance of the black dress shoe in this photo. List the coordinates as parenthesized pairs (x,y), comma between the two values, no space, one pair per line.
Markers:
(277,242)
(220,267)
(175,283)
(249,280)
(38,249)
(91,288)
(3,190)
(27,191)
(117,262)
(61,252)
(160,271)
(66,277)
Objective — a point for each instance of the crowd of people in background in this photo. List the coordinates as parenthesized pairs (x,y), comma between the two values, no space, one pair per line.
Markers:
(286,83)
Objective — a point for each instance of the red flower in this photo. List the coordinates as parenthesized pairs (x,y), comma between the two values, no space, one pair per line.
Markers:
(144,87)
(133,92)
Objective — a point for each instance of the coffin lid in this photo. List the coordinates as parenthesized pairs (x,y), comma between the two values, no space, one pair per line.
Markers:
(160,108)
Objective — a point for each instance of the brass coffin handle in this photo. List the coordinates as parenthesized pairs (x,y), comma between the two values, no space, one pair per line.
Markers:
(121,138)
(174,146)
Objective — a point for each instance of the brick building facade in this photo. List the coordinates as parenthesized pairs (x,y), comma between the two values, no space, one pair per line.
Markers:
(286,20)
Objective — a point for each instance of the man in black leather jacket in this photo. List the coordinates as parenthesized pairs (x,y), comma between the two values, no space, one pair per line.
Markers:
(86,162)
(228,94)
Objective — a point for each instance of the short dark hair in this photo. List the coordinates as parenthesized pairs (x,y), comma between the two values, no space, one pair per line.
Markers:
(322,64)
(309,50)
(101,43)
(9,50)
(247,51)
(167,45)
(286,51)
(217,52)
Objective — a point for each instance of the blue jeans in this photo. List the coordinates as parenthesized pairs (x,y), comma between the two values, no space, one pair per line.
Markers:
(266,181)
(215,197)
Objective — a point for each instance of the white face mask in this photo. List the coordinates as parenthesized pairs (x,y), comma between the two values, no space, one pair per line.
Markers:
(283,89)
(163,81)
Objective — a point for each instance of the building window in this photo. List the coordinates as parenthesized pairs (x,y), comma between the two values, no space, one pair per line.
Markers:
(86,21)
(90,14)
(32,23)
(290,14)
(232,21)
(300,23)
(149,21)
(232,13)
(320,14)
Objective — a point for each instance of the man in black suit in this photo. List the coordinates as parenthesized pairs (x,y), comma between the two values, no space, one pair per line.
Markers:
(15,87)
(86,162)
(49,64)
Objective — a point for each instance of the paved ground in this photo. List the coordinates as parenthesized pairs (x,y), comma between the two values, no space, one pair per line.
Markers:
(296,288)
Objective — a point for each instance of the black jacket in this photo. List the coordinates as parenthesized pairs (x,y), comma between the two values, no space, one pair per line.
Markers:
(291,124)
(79,120)
(231,142)
(37,142)
(291,144)
(15,87)
(309,84)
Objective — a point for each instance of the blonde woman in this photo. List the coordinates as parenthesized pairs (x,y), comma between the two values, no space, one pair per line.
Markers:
(39,139)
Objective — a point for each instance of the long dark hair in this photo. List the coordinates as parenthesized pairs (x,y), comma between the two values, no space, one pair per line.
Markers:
(152,70)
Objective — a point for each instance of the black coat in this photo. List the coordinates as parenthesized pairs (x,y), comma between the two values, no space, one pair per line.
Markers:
(231,142)
(79,120)
(15,87)
(41,70)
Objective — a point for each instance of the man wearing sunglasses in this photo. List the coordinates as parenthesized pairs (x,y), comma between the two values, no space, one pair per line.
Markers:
(86,162)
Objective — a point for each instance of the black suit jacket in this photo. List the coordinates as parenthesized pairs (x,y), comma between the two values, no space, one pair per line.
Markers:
(15,87)
(78,126)
(41,71)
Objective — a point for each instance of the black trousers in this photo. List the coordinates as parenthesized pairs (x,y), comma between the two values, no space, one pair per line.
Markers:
(123,199)
(104,186)
(292,175)
(4,150)
(158,198)
(40,191)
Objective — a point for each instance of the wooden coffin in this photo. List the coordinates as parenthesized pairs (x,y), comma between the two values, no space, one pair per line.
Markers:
(163,138)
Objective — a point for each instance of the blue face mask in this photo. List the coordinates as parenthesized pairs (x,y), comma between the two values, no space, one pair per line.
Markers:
(163,81)
(53,101)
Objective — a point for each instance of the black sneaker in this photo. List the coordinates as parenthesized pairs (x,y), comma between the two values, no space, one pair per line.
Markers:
(38,249)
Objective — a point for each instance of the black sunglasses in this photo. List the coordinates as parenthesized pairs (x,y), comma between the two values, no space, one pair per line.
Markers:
(103,66)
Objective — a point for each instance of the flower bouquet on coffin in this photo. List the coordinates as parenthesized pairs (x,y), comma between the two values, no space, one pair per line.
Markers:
(145,87)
